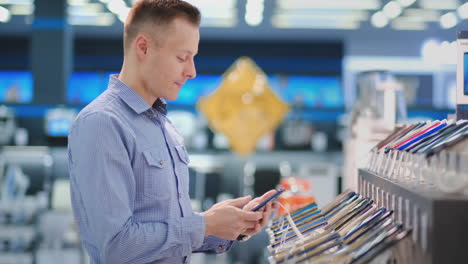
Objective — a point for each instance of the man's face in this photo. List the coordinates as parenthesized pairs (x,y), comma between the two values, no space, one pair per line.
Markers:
(170,60)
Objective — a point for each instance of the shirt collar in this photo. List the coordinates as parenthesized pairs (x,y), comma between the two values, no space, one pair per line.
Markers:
(133,99)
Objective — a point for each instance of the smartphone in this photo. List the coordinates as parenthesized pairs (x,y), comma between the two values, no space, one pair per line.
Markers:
(260,206)
(275,195)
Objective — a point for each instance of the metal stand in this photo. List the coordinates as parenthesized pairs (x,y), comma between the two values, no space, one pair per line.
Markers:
(439,220)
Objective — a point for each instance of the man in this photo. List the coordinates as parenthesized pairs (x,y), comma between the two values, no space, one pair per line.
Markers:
(128,165)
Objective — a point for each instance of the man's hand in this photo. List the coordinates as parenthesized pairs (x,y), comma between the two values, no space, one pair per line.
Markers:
(227,221)
(266,212)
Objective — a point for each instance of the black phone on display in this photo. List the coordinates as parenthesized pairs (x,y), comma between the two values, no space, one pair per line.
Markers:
(447,138)
(446,133)
(260,206)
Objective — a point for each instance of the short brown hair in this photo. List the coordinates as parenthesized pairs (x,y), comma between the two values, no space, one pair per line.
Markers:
(157,12)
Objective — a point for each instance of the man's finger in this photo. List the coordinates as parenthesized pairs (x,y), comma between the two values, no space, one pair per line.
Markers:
(267,195)
(250,216)
(239,202)
(250,224)
(251,205)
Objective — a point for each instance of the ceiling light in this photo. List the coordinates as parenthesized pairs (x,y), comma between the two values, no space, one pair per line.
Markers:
(379,20)
(123,14)
(448,20)
(103,19)
(406,3)
(329,4)
(116,6)
(422,14)
(22,10)
(254,12)
(77,2)
(218,22)
(463,11)
(392,9)
(5,15)
(430,51)
(15,2)
(316,24)
(439,4)
(448,53)
(359,15)
(88,9)
(225,4)
(218,13)
(253,20)
(407,23)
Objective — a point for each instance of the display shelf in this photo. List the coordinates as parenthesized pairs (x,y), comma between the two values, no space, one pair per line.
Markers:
(439,220)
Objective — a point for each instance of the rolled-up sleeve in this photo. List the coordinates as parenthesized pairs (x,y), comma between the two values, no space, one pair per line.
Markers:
(103,197)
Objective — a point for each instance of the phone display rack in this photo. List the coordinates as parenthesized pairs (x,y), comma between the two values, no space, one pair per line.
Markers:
(439,220)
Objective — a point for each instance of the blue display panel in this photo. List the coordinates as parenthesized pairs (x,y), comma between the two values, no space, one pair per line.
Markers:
(202,85)
(465,75)
(16,86)
(59,126)
(277,84)
(314,91)
(83,87)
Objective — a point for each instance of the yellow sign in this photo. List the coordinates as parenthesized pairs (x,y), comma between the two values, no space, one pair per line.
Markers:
(244,107)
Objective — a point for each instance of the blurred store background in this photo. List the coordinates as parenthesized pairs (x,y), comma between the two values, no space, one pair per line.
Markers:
(56,57)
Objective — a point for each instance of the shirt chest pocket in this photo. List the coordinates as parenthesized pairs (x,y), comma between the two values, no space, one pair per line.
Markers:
(157,184)
(182,167)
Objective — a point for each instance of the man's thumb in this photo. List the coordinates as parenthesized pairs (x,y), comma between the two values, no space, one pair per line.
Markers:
(241,201)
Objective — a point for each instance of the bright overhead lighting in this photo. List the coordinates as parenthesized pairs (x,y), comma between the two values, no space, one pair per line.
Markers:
(254,12)
(123,14)
(15,2)
(104,19)
(439,4)
(448,20)
(294,22)
(437,53)
(253,20)
(430,51)
(352,15)
(77,2)
(379,20)
(392,9)
(88,9)
(218,13)
(22,10)
(406,23)
(116,6)
(406,3)
(227,4)
(422,14)
(218,22)
(5,15)
(463,11)
(329,4)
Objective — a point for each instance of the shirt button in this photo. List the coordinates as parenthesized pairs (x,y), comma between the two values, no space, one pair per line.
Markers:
(161,162)
(220,247)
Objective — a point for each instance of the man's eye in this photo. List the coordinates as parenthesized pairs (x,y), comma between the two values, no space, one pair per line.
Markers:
(181,59)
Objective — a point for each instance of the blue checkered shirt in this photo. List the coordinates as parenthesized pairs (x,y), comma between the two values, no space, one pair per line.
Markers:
(129,183)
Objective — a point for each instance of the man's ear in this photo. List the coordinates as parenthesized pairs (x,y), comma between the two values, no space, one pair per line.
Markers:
(141,46)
